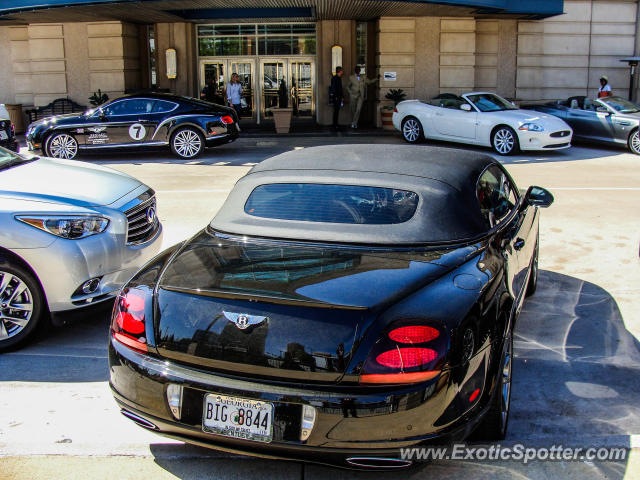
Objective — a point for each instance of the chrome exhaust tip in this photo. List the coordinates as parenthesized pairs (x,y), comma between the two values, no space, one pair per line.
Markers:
(138,420)
(378,462)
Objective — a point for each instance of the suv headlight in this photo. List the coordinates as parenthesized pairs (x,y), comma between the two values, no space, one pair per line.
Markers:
(71,227)
(531,127)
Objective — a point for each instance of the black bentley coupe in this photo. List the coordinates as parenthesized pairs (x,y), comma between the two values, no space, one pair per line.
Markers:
(345,302)
(186,125)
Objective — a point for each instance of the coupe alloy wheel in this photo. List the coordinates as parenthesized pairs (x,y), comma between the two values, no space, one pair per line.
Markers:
(63,146)
(187,143)
(16,305)
(411,130)
(634,142)
(504,141)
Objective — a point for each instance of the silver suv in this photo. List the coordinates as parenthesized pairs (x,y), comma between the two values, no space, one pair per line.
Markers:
(71,234)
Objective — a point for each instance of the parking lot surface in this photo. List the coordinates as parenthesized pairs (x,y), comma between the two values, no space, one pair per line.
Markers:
(577,357)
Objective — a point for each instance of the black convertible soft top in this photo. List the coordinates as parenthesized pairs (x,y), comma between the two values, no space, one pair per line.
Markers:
(444,179)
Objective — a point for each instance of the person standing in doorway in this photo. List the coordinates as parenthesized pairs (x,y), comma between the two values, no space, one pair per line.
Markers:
(234,93)
(336,96)
(605,88)
(357,88)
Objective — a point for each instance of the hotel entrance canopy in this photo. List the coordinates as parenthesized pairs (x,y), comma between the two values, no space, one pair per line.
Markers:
(155,11)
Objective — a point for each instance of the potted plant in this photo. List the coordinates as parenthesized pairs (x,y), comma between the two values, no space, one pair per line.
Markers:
(98,98)
(282,114)
(396,95)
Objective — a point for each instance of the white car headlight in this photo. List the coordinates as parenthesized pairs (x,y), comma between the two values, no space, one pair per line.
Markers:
(531,127)
(72,227)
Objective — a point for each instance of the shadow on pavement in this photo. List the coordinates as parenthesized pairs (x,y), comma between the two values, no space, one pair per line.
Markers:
(575,384)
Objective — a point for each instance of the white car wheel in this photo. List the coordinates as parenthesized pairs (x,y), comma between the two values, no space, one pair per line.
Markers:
(63,146)
(634,142)
(412,130)
(187,143)
(505,141)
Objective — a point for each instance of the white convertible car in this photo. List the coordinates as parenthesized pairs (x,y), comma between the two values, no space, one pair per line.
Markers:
(481,118)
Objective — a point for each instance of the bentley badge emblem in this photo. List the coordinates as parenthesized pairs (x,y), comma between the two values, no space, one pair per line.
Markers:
(244,320)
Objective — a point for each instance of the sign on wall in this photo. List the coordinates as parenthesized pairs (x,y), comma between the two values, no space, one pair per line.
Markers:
(336,58)
(389,76)
(172,63)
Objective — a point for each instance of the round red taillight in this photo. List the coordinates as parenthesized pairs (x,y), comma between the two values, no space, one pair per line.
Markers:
(226,119)
(414,334)
(406,357)
(130,323)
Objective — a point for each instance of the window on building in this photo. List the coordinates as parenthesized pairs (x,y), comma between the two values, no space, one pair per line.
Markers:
(257,39)
(152,55)
(361,47)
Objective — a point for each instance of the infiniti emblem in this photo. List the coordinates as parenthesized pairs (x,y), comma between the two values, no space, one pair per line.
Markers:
(151,215)
(244,320)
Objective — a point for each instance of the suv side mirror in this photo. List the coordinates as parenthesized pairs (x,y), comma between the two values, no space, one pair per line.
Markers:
(538,197)
(466,107)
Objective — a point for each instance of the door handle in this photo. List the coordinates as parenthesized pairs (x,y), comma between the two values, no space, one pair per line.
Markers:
(519,244)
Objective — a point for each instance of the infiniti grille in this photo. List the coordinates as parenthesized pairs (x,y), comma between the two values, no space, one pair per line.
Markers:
(142,219)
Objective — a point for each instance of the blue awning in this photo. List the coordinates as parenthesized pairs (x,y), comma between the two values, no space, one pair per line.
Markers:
(534,8)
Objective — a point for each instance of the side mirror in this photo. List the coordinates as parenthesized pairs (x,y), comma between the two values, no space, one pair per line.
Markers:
(538,197)
(603,110)
(466,107)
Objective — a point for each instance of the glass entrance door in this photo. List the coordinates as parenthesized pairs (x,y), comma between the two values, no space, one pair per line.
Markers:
(244,69)
(215,76)
(302,88)
(292,77)
(273,77)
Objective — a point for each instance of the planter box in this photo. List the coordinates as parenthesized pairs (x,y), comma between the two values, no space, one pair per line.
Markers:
(387,123)
(282,119)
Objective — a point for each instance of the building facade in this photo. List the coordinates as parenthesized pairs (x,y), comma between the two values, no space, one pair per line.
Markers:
(547,50)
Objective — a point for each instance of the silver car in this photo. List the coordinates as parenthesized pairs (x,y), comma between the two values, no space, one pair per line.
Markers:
(71,234)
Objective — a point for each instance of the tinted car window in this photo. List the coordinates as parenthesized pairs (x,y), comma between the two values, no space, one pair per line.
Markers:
(162,106)
(332,203)
(496,195)
(129,107)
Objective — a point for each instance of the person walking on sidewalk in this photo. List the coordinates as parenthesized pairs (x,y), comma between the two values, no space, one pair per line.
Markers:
(357,88)
(336,96)
(234,93)
(605,88)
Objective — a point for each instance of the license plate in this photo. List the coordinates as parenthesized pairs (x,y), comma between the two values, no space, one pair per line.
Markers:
(238,417)
(3,135)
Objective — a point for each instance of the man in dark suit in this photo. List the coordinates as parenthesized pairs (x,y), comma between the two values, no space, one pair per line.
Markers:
(337,96)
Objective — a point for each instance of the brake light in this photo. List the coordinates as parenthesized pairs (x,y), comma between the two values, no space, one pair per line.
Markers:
(227,119)
(414,334)
(409,352)
(406,357)
(395,109)
(128,322)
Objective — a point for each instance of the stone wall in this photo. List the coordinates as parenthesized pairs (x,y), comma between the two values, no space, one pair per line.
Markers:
(566,55)
(68,60)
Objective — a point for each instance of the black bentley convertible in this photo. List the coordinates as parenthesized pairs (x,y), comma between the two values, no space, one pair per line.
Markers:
(186,125)
(346,301)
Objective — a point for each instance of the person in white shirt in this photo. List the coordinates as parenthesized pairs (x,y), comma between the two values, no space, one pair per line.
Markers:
(234,93)
(605,88)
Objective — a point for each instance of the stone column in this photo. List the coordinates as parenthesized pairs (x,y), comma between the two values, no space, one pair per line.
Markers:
(457,55)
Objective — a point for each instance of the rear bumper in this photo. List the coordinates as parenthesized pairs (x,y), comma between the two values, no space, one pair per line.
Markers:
(350,422)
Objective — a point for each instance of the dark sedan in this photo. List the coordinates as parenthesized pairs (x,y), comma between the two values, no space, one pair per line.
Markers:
(185,124)
(7,130)
(612,120)
(346,301)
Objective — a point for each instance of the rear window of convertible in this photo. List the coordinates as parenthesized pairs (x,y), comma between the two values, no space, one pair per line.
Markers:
(311,202)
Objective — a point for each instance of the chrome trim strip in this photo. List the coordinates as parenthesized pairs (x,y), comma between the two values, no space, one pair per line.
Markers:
(180,116)
(122,145)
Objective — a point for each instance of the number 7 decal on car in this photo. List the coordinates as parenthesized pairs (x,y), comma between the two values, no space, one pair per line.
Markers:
(137,131)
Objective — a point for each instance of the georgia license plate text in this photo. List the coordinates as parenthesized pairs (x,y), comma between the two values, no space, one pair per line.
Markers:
(238,417)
